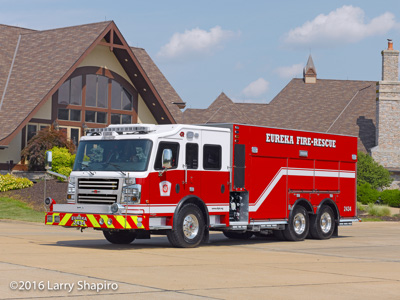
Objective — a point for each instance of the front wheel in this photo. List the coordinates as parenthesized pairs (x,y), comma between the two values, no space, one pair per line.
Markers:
(323,224)
(188,230)
(298,226)
(119,236)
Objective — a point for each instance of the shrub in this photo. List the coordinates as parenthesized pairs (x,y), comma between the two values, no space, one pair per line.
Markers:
(378,211)
(46,139)
(366,194)
(360,207)
(63,161)
(369,171)
(10,182)
(391,197)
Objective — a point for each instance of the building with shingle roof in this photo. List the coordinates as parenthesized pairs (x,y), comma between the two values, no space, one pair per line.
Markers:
(76,77)
(311,104)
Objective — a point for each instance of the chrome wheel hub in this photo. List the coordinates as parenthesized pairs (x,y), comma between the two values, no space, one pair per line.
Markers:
(299,222)
(190,226)
(326,222)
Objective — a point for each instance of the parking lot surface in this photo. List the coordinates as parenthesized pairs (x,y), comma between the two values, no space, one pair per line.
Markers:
(38,261)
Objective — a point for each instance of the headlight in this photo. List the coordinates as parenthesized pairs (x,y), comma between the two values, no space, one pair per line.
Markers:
(131,194)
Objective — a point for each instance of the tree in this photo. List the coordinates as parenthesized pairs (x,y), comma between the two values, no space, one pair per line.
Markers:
(45,139)
(369,171)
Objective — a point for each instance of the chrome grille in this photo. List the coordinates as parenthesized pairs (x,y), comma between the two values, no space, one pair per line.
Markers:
(97,199)
(97,190)
(101,184)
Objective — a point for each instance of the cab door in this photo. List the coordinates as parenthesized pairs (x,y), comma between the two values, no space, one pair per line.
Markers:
(192,175)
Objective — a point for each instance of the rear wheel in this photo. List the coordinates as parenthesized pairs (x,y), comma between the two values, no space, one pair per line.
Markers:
(188,230)
(120,236)
(322,225)
(298,226)
(238,235)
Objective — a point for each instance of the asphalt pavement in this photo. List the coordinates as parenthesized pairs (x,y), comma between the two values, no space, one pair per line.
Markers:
(38,261)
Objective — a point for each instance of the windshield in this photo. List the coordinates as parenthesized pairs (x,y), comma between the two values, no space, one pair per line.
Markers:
(113,155)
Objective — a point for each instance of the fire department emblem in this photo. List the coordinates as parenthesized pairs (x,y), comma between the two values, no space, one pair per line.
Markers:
(165,188)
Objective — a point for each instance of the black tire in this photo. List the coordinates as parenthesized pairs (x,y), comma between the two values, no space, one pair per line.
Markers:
(278,234)
(188,229)
(119,236)
(298,226)
(241,235)
(323,224)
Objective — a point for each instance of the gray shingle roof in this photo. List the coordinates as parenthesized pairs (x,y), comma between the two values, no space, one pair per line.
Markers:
(42,58)
(334,106)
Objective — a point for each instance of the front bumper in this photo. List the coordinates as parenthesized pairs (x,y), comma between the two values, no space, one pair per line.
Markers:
(100,221)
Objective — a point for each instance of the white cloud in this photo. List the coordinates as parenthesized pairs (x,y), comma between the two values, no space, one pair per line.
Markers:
(256,88)
(344,25)
(195,41)
(290,71)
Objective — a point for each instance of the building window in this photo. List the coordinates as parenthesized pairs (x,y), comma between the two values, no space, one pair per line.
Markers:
(121,119)
(95,117)
(69,114)
(96,91)
(90,97)
(121,99)
(33,129)
(71,92)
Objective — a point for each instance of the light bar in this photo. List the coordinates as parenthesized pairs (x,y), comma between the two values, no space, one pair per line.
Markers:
(125,128)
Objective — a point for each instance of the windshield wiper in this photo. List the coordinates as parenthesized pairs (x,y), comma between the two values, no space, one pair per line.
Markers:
(88,169)
(117,167)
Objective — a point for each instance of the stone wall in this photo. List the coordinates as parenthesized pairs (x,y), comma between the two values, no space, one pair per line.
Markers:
(387,152)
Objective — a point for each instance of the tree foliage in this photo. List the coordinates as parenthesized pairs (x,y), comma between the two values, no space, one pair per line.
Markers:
(45,139)
(369,171)
(63,160)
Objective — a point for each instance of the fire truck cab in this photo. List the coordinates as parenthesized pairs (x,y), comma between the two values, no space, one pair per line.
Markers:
(131,181)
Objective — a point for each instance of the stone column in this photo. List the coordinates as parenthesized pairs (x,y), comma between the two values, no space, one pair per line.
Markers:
(387,151)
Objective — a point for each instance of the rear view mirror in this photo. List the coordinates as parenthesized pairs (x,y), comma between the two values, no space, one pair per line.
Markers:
(48,160)
(166,159)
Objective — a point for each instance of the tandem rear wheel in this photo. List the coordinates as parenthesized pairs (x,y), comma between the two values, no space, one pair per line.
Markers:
(298,226)
(322,225)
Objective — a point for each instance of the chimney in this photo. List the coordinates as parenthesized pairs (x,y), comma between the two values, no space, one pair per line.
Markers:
(387,151)
(310,72)
(390,63)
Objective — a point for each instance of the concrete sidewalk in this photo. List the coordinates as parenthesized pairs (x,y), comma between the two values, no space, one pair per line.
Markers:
(362,263)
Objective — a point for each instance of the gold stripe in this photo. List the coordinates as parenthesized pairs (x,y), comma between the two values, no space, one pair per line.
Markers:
(135,220)
(93,220)
(121,220)
(65,219)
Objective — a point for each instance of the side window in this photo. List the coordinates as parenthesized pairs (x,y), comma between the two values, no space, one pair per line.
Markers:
(192,156)
(212,157)
(175,152)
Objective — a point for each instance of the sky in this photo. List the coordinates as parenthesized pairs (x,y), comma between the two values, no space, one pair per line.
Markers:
(250,50)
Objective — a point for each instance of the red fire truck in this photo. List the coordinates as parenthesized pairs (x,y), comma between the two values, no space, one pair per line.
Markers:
(131,181)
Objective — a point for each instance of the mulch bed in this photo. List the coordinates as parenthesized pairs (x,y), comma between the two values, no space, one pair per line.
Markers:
(34,195)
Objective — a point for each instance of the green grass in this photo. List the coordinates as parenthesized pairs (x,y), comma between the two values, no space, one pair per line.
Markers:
(17,210)
(371,219)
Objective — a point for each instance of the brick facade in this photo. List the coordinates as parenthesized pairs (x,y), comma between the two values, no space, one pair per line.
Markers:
(387,151)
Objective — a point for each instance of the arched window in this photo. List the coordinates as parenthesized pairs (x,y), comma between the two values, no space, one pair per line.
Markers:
(95,95)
